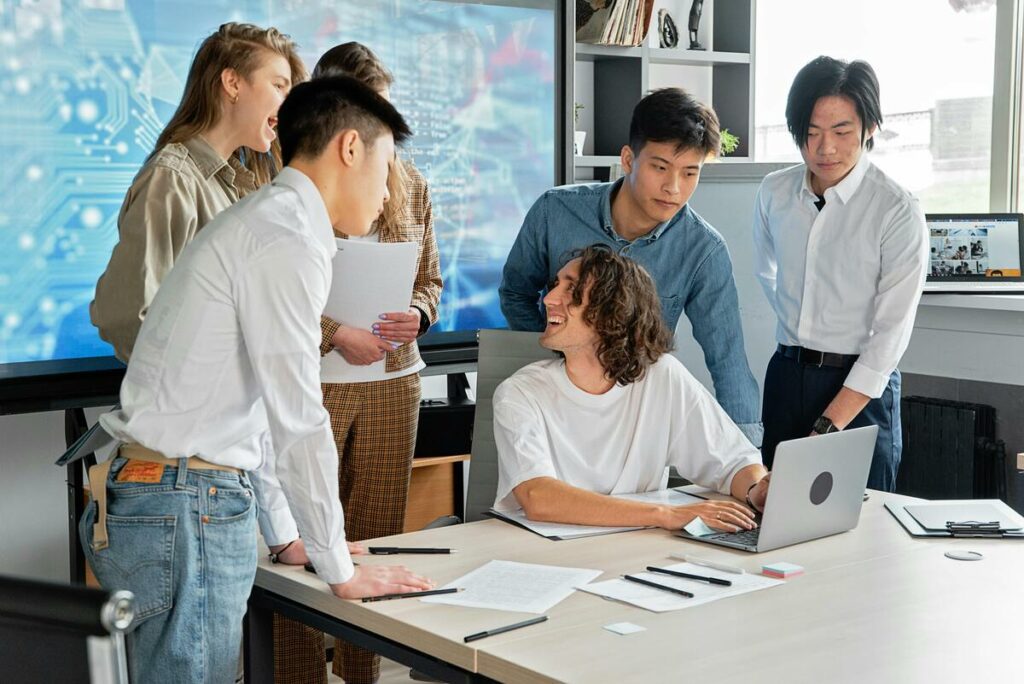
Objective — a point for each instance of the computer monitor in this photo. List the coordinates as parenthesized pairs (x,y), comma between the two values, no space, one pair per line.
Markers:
(975,253)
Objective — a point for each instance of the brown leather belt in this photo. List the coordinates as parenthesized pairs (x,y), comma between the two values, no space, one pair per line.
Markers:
(98,481)
(811,357)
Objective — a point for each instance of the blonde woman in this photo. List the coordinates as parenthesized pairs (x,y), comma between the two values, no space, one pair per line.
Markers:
(371,388)
(219,146)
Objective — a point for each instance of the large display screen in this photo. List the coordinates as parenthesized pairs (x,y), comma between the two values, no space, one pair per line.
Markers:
(974,247)
(86,86)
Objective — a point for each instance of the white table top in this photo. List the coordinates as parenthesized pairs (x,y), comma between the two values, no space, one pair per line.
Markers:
(874,605)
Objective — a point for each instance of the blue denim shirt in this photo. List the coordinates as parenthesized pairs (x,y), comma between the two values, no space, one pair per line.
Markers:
(687,258)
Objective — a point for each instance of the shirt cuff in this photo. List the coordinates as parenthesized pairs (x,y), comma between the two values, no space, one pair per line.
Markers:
(866,381)
(277,526)
(327,330)
(752,431)
(334,565)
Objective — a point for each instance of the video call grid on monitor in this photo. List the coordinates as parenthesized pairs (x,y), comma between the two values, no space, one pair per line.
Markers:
(975,247)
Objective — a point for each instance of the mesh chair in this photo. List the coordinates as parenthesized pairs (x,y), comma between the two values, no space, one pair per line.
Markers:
(62,633)
(502,353)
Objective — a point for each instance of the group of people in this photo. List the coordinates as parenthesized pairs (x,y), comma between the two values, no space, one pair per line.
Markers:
(244,406)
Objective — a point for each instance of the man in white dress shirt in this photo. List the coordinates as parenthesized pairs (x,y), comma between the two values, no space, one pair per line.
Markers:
(228,355)
(841,251)
(615,412)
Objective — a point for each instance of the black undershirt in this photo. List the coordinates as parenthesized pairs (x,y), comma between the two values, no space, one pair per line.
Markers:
(820,204)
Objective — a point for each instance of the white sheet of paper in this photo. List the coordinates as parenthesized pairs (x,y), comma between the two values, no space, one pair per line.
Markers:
(518,587)
(566,531)
(370,278)
(662,601)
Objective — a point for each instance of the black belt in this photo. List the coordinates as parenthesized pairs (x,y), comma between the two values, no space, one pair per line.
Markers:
(811,357)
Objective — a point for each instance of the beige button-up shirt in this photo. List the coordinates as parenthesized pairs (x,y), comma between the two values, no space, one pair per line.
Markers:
(177,192)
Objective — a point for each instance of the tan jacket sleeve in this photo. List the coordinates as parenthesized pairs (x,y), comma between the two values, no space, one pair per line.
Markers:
(426,290)
(327,329)
(158,218)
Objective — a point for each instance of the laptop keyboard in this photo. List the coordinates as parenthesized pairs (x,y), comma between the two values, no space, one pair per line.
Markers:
(744,537)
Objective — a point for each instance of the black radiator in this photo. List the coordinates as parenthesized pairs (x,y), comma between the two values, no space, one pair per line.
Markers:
(950,451)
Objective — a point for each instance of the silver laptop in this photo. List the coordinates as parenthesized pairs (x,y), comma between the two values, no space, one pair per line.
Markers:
(817,489)
(975,253)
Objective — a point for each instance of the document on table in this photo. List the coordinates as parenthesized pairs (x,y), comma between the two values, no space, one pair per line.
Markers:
(370,278)
(660,601)
(559,531)
(518,587)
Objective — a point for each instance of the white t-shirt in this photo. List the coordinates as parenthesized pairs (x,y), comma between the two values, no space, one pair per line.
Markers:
(618,442)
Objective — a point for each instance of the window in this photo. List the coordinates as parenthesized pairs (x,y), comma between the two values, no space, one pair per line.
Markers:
(935,66)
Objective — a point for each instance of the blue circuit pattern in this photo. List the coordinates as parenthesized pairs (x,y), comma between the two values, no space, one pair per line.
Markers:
(86,86)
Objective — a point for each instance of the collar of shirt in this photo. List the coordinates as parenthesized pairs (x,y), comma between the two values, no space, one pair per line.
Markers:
(606,215)
(844,189)
(210,164)
(320,222)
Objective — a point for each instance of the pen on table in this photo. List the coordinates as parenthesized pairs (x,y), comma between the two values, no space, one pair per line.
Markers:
(655,585)
(411,594)
(392,550)
(686,575)
(506,628)
(706,563)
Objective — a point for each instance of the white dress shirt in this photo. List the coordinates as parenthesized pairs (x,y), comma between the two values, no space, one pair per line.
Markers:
(227,363)
(847,279)
(619,442)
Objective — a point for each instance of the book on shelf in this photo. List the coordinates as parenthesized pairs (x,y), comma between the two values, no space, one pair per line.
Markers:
(613,22)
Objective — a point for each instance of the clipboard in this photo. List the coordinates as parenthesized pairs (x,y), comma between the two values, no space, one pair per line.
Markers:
(959,528)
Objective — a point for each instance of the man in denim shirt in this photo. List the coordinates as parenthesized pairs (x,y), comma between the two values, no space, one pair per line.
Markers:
(645,216)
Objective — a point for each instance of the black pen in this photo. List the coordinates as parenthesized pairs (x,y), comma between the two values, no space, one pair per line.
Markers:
(655,585)
(686,575)
(506,628)
(410,594)
(392,550)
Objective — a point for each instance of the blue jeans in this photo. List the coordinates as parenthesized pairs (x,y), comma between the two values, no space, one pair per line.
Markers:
(795,395)
(186,547)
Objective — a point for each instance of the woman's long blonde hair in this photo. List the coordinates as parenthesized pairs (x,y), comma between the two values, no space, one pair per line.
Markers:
(358,61)
(234,46)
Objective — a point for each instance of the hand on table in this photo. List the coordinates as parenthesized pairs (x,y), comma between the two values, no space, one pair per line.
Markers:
(726,516)
(376,580)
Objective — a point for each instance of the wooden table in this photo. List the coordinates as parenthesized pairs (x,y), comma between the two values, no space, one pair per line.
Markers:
(874,605)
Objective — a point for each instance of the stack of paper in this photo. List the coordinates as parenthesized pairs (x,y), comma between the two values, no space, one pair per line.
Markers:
(660,601)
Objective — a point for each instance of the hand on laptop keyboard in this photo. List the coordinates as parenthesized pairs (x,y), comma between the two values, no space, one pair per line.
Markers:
(726,516)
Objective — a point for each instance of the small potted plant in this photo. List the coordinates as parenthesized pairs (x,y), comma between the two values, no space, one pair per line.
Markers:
(729,142)
(579,137)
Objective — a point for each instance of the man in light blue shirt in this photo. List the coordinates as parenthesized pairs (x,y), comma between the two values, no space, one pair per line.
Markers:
(646,216)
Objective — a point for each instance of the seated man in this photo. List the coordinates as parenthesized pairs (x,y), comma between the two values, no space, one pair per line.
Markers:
(614,412)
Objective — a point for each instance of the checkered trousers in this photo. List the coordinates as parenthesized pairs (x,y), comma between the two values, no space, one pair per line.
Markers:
(374,426)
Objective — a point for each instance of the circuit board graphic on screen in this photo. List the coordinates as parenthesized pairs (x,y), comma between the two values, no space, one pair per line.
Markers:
(86,87)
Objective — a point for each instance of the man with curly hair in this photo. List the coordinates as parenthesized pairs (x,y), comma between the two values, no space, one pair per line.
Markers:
(614,412)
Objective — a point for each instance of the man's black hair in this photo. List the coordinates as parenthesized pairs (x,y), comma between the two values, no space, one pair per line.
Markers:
(673,115)
(825,76)
(316,111)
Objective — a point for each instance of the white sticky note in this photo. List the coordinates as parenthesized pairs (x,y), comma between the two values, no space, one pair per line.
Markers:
(625,628)
(698,528)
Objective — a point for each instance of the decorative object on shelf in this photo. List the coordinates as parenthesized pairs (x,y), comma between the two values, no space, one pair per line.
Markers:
(613,22)
(578,137)
(668,34)
(729,141)
(695,10)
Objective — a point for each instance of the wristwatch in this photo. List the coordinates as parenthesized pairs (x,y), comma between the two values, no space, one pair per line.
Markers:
(824,426)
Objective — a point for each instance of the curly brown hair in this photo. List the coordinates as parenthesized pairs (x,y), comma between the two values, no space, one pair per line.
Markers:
(623,309)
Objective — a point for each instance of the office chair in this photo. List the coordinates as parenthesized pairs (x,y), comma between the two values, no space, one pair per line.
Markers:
(53,632)
(502,353)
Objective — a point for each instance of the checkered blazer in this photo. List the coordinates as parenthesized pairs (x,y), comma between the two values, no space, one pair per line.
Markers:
(417,226)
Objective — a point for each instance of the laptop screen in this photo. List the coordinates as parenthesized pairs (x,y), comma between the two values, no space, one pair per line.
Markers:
(975,247)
